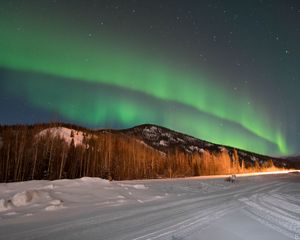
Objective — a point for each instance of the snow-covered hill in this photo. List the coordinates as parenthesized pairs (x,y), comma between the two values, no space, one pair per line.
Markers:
(68,134)
(145,151)
(163,140)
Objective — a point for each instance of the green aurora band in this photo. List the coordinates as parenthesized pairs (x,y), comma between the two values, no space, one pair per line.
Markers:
(101,103)
(102,61)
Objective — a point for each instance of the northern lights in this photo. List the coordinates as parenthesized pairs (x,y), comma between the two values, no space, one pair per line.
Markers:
(102,80)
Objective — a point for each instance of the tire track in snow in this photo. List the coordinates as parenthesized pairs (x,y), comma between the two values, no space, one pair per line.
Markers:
(260,208)
(199,221)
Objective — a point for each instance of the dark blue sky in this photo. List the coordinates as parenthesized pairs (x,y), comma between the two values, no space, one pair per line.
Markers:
(247,50)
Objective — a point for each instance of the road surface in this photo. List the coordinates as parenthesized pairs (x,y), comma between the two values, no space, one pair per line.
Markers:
(257,207)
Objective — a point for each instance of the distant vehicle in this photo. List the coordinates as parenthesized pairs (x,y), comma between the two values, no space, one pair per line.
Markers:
(231,178)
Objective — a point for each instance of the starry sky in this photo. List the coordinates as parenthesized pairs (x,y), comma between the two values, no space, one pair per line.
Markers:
(223,71)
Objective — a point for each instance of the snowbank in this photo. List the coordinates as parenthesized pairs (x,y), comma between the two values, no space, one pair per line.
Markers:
(29,198)
(32,197)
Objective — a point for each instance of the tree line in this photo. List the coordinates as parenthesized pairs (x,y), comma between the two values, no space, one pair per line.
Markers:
(27,155)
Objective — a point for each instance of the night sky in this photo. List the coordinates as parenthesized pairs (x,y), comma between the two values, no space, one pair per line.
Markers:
(222,71)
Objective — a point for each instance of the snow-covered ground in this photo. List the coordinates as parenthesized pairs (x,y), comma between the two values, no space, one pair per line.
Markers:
(254,207)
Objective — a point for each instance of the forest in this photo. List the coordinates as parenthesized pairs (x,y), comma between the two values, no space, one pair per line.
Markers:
(25,154)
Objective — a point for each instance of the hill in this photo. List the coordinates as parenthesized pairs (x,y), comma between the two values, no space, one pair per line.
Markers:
(55,151)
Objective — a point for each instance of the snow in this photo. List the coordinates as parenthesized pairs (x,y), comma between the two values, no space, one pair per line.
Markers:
(4,206)
(202,150)
(53,207)
(36,196)
(151,133)
(163,143)
(195,149)
(191,139)
(26,197)
(208,145)
(137,186)
(256,206)
(32,198)
(65,133)
(180,140)
(166,134)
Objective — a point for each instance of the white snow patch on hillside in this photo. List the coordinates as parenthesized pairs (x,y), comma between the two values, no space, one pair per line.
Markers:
(194,148)
(201,150)
(149,146)
(145,144)
(253,158)
(166,134)
(180,140)
(208,145)
(163,143)
(190,139)
(66,133)
(151,133)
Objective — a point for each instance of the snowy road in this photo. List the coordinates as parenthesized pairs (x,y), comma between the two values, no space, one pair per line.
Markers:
(260,207)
